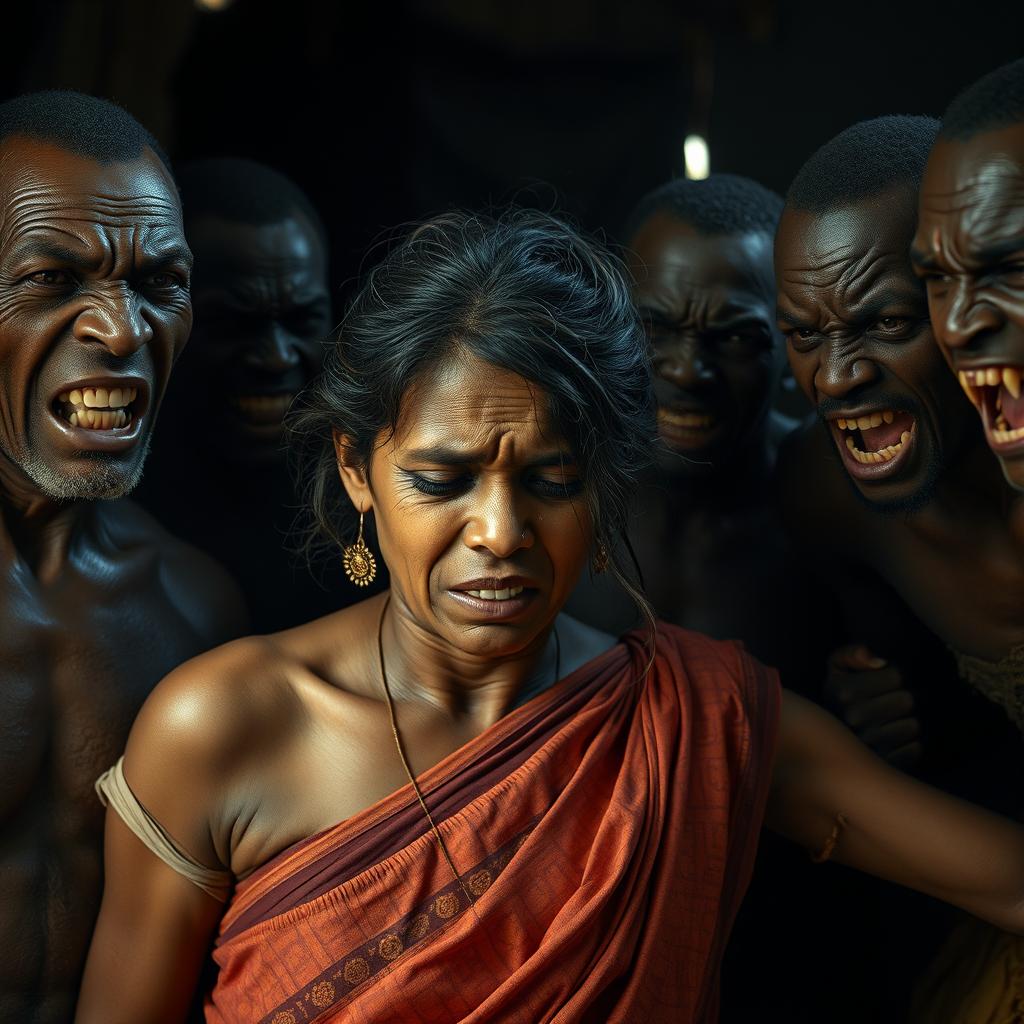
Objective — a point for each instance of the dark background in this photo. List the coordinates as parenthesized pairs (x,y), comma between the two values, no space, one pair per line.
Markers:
(386,112)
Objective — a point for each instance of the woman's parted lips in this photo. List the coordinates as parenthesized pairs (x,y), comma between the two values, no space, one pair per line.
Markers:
(496,583)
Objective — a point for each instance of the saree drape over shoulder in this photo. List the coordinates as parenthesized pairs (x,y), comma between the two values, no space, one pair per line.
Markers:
(605,832)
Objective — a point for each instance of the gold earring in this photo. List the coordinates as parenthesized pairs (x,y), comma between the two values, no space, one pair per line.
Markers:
(600,562)
(360,565)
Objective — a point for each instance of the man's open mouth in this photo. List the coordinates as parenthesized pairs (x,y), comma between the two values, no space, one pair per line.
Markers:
(874,443)
(696,423)
(995,391)
(261,410)
(98,408)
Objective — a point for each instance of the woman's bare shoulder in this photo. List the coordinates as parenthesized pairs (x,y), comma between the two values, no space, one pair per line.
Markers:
(215,709)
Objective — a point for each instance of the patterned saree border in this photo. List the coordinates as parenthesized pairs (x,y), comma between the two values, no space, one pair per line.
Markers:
(360,965)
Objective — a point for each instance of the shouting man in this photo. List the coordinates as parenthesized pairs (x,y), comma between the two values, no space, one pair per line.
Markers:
(892,492)
(969,250)
(97,602)
(896,464)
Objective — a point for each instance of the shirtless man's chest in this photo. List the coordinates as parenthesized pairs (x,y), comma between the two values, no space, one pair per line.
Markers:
(964,580)
(77,659)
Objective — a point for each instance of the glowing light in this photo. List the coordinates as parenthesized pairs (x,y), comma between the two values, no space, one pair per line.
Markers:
(213,5)
(696,156)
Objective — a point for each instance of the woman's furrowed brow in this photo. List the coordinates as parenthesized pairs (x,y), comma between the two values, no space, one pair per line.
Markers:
(444,456)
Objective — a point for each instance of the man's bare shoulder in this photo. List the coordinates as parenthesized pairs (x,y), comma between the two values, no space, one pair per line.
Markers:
(197,585)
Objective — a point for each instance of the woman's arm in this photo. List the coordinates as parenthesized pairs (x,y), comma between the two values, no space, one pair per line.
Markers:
(152,936)
(895,827)
(194,734)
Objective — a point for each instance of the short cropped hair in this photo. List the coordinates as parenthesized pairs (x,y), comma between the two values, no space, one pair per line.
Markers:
(723,204)
(243,191)
(865,160)
(81,124)
(521,290)
(995,101)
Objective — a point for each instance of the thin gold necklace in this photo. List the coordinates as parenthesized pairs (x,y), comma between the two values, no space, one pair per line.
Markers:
(401,749)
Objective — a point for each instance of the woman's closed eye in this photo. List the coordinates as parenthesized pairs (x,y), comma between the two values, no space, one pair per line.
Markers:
(440,484)
(558,487)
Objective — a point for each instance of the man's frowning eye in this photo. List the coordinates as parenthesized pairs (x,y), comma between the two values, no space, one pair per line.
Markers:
(936,282)
(748,341)
(895,328)
(1011,272)
(164,281)
(801,338)
(50,278)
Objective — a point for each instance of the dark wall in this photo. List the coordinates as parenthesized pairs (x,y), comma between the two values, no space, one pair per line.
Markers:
(387,112)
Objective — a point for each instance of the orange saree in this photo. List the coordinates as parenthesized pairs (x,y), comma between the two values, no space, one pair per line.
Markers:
(604,833)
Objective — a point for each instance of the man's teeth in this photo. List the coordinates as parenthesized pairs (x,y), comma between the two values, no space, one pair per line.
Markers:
(883,455)
(687,420)
(262,405)
(496,595)
(98,408)
(1005,434)
(99,419)
(874,419)
(990,377)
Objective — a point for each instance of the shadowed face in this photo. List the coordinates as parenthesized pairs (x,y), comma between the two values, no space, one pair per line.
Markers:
(860,345)
(707,303)
(478,508)
(262,313)
(94,309)
(969,250)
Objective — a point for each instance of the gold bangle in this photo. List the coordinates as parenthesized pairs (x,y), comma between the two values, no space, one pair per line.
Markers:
(830,844)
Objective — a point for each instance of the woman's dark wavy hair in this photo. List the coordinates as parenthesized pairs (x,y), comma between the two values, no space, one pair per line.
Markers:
(521,290)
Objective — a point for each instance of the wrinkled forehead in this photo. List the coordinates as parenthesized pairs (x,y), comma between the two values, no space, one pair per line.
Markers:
(466,403)
(666,250)
(857,241)
(230,249)
(44,186)
(974,186)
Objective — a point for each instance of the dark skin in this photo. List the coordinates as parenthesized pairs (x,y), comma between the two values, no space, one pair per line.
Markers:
(860,345)
(969,251)
(706,524)
(262,309)
(97,601)
(475,485)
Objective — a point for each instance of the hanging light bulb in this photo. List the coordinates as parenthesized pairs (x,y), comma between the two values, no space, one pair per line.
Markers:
(696,157)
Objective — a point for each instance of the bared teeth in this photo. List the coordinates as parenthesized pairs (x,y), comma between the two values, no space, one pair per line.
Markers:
(83,407)
(883,455)
(866,422)
(1003,434)
(992,376)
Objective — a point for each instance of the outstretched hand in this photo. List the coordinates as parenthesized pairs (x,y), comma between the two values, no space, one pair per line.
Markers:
(869,695)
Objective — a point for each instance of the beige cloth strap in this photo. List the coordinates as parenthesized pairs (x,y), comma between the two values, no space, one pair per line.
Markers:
(113,790)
